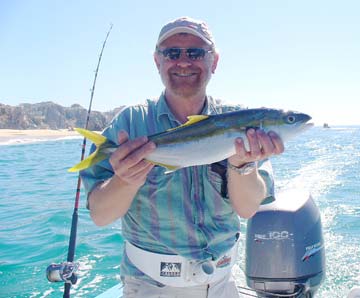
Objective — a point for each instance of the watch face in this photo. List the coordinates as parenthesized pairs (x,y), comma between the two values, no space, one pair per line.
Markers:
(245,169)
(248,168)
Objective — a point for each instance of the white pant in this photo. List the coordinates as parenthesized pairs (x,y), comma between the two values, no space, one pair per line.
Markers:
(137,288)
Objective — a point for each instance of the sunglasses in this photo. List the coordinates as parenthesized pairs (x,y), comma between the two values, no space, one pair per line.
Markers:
(191,53)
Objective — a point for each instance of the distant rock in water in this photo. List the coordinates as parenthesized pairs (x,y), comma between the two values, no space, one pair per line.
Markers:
(49,115)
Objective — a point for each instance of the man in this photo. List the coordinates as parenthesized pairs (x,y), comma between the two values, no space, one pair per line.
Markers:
(182,228)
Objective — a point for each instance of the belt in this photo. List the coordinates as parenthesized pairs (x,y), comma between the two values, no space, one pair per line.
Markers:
(177,271)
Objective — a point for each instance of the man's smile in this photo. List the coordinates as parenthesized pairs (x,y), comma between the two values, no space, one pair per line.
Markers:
(184,74)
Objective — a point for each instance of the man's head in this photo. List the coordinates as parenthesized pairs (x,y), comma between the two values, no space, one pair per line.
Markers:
(187,25)
(186,57)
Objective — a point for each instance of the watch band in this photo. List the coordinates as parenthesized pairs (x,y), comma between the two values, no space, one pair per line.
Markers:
(245,169)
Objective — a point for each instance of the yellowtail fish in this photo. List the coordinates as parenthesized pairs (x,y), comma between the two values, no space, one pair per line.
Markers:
(204,139)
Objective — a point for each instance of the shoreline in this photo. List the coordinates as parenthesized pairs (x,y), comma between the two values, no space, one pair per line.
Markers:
(17,135)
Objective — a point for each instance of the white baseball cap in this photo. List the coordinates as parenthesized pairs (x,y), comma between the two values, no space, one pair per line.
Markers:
(186,25)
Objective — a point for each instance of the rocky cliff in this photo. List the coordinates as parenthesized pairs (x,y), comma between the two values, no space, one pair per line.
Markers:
(49,115)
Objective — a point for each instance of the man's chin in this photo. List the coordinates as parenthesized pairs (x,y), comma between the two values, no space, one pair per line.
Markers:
(186,93)
(186,90)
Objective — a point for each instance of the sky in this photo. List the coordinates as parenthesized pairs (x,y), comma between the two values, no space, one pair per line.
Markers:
(286,54)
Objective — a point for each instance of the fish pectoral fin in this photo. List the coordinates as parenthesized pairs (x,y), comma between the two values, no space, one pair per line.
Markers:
(92,159)
(191,120)
(94,137)
(169,168)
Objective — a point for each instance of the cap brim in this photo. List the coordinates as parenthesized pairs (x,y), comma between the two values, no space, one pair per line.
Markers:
(182,30)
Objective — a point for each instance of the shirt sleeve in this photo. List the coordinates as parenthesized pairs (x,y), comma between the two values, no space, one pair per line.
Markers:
(103,171)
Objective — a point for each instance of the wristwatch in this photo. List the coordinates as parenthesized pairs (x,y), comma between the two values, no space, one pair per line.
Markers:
(245,169)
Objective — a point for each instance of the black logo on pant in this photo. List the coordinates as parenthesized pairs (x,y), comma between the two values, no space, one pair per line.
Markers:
(170,269)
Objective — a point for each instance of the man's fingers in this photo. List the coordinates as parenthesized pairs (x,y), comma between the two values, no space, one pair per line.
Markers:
(140,171)
(270,143)
(266,145)
(122,137)
(261,145)
(128,147)
(255,145)
(240,147)
(136,158)
(129,158)
(278,143)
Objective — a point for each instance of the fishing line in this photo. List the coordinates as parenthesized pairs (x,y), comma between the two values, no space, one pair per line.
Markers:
(66,272)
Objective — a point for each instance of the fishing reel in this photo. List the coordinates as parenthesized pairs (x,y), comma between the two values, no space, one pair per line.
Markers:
(64,272)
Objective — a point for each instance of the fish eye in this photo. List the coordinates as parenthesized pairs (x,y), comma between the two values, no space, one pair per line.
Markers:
(291,118)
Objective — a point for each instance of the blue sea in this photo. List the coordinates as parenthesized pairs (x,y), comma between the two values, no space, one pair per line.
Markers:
(37,197)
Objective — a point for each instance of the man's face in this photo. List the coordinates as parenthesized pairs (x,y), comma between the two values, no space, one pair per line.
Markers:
(184,76)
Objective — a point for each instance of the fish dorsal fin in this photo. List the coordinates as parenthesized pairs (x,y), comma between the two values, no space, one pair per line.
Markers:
(191,120)
(94,137)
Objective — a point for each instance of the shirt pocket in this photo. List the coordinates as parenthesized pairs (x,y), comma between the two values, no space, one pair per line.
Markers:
(216,194)
(217,175)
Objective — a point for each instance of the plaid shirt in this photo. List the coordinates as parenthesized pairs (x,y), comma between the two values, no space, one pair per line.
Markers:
(186,212)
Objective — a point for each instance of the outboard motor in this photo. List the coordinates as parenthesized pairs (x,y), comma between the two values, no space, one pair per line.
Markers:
(285,255)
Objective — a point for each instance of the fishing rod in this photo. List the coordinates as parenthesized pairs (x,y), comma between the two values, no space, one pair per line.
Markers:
(66,271)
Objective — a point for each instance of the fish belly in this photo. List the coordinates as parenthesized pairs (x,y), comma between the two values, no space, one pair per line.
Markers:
(202,151)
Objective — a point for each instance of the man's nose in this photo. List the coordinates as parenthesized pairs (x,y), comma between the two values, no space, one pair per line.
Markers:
(184,60)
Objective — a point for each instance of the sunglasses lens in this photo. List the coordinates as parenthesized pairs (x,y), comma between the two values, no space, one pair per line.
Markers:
(195,53)
(191,53)
(172,53)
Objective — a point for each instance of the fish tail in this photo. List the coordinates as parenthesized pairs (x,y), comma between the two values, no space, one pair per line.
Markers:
(94,137)
(96,156)
(92,159)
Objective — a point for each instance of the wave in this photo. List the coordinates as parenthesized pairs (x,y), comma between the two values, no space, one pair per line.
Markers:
(31,140)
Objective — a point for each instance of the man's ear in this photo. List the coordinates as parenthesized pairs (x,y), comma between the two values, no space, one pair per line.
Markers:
(215,62)
(157,62)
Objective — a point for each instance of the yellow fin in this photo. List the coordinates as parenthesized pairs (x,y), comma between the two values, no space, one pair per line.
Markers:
(92,159)
(191,120)
(94,137)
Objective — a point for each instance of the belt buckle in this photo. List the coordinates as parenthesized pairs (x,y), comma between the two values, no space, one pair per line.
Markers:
(201,272)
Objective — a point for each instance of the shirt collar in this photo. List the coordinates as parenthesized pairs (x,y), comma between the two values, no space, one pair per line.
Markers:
(163,108)
(210,106)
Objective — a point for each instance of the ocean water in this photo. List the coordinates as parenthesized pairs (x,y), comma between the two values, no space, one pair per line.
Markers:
(37,198)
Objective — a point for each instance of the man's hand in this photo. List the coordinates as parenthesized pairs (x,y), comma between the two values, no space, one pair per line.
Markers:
(262,145)
(247,191)
(130,170)
(128,161)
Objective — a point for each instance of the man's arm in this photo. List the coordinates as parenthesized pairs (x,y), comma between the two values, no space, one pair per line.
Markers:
(248,191)
(111,199)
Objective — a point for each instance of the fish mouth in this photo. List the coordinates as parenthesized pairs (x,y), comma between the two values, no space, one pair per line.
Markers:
(305,126)
(308,124)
